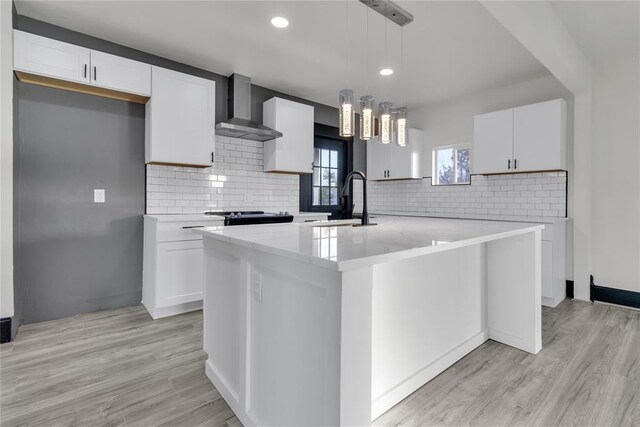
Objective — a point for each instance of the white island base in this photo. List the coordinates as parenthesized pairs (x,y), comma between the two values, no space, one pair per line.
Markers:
(335,325)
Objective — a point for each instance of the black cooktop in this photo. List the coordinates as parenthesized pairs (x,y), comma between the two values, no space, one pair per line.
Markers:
(253,217)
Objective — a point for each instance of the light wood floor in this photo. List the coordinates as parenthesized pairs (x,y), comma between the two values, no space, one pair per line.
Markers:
(119,367)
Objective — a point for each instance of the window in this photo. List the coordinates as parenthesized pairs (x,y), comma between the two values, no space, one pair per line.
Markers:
(451,165)
(325,177)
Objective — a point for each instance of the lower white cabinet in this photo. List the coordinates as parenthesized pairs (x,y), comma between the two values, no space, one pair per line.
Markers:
(554,280)
(172,274)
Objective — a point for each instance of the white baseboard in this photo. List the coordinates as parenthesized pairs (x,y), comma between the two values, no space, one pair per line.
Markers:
(160,312)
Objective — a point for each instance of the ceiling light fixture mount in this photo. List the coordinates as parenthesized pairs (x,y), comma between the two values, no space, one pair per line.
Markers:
(279,22)
(390,10)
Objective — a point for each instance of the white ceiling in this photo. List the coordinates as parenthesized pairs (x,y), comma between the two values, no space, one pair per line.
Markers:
(451,49)
(602,29)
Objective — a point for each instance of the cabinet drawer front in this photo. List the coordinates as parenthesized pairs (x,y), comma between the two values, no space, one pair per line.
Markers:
(181,231)
(122,74)
(51,58)
(179,273)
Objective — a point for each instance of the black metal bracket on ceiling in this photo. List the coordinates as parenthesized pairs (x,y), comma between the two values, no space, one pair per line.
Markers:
(390,10)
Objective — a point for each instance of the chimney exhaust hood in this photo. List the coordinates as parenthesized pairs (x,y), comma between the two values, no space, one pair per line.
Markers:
(239,124)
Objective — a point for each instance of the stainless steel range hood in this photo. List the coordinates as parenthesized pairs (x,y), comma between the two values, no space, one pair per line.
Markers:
(239,124)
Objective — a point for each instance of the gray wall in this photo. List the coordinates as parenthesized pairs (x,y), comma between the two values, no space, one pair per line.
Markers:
(75,256)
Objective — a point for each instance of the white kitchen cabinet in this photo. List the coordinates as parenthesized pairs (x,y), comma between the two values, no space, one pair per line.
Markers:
(121,74)
(523,139)
(493,142)
(390,161)
(50,58)
(378,159)
(293,152)
(539,134)
(48,62)
(180,119)
(172,280)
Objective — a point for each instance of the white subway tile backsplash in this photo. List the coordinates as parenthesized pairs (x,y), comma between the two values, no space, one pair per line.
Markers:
(236,181)
(532,195)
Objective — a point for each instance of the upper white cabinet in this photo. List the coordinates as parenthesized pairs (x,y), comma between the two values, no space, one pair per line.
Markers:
(390,161)
(293,152)
(50,58)
(50,62)
(540,136)
(114,72)
(523,139)
(180,119)
(493,142)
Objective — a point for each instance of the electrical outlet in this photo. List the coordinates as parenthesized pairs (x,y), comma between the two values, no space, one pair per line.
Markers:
(98,195)
(256,286)
(248,197)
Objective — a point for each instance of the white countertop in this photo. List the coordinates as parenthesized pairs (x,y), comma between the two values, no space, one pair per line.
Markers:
(203,217)
(347,247)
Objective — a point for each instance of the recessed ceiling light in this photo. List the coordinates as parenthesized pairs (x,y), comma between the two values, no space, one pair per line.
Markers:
(386,72)
(279,22)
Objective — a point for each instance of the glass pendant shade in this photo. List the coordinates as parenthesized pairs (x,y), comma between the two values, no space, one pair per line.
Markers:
(402,131)
(385,122)
(367,117)
(347,113)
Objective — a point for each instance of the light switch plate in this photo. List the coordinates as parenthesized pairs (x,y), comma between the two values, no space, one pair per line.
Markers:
(98,195)
(256,285)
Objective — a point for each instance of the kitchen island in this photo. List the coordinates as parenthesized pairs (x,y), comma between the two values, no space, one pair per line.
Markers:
(328,324)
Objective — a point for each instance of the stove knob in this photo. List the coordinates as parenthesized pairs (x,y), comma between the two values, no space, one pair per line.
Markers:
(280,213)
(286,213)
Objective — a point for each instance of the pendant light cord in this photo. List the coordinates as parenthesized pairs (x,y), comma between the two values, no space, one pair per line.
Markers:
(401,65)
(347,41)
(366,67)
(386,56)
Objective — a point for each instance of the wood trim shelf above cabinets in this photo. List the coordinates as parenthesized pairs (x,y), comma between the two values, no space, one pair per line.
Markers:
(51,63)
(79,87)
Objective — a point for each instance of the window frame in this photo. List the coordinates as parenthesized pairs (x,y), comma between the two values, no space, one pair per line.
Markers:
(332,168)
(434,163)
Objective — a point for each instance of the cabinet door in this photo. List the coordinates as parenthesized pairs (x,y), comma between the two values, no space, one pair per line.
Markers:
(493,142)
(378,159)
(406,162)
(51,58)
(180,119)
(547,269)
(180,274)
(539,136)
(293,152)
(122,74)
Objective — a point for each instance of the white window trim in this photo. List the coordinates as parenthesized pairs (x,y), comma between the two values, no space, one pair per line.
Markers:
(434,163)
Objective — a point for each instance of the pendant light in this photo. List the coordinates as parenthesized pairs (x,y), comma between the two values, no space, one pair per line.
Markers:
(402,134)
(367,102)
(347,113)
(367,117)
(346,118)
(385,122)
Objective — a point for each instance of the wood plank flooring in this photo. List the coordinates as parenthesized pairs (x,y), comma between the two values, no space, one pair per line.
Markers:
(119,367)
